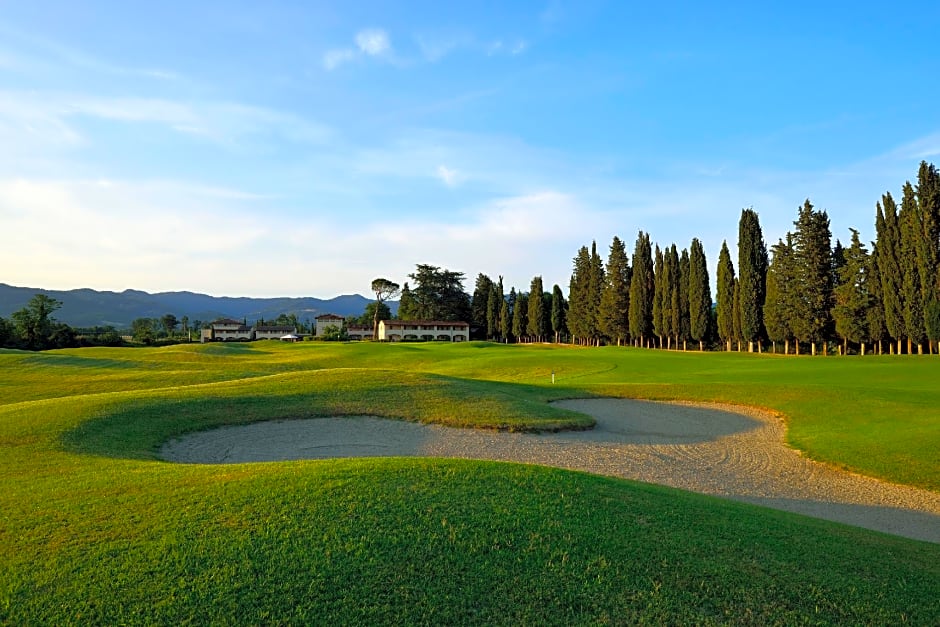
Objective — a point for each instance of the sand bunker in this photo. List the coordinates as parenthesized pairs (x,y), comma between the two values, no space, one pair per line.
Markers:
(730,452)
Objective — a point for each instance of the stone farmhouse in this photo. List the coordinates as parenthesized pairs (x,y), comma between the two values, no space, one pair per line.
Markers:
(228,330)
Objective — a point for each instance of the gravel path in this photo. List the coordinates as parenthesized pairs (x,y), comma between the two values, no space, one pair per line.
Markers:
(731,452)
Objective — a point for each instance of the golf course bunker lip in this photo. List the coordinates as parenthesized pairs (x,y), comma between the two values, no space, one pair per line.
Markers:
(642,422)
(727,451)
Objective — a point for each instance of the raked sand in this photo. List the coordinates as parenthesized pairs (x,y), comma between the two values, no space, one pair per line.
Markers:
(732,452)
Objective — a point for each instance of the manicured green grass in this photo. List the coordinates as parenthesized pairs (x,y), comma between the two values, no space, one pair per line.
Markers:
(95,529)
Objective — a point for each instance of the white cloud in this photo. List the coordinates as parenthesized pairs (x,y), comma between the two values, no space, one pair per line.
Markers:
(373,41)
(519,47)
(447,175)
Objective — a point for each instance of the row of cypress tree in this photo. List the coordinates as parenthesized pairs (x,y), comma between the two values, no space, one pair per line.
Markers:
(802,291)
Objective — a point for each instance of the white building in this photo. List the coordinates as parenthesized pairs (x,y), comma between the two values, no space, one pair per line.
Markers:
(439,330)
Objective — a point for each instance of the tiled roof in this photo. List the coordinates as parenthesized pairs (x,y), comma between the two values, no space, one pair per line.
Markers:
(425,323)
(227,321)
(329,317)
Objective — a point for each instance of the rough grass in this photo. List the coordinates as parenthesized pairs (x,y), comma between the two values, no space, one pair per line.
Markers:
(94,529)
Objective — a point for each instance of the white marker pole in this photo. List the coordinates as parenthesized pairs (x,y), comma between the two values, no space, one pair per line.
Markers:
(553,377)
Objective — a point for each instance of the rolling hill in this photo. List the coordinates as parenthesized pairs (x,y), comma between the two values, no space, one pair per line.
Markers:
(87,307)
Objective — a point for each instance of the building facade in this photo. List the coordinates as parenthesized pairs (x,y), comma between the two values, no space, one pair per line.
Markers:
(429,330)
(228,330)
(325,321)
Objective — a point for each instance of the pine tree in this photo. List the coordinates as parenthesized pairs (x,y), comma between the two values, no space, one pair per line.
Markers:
(912,230)
(812,248)
(641,290)
(852,298)
(614,310)
(558,313)
(725,296)
(700,298)
(889,266)
(520,315)
(752,276)
(406,304)
(659,296)
(535,321)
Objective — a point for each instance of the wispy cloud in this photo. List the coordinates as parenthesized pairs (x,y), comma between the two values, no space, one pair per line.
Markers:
(56,53)
(53,116)
(369,42)
(447,175)
(499,46)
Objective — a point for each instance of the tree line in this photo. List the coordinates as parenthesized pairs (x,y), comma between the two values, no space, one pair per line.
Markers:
(801,292)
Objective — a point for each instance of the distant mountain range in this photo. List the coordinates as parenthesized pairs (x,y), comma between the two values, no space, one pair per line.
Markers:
(88,308)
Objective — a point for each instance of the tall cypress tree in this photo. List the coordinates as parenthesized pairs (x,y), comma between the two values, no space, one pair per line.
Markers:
(725,296)
(613,314)
(752,276)
(700,298)
(781,284)
(671,304)
(852,298)
(736,313)
(659,296)
(558,313)
(595,289)
(578,295)
(812,248)
(889,266)
(520,315)
(479,305)
(928,203)
(505,316)
(875,316)
(492,309)
(641,290)
(685,331)
(535,322)
(912,230)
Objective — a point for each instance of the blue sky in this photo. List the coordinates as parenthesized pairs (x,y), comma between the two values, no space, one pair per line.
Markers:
(303,148)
